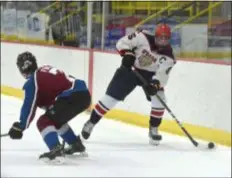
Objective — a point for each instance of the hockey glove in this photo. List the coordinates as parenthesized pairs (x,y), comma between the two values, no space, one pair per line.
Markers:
(148,97)
(15,131)
(128,59)
(152,88)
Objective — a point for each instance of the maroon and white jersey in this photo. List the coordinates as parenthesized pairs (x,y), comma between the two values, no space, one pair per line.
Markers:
(41,90)
(51,83)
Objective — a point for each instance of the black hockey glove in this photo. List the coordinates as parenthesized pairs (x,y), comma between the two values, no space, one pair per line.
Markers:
(15,131)
(148,97)
(152,88)
(128,60)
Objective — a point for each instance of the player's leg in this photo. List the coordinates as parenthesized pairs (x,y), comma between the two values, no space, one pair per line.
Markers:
(58,115)
(156,115)
(74,142)
(66,109)
(101,108)
(123,82)
(47,129)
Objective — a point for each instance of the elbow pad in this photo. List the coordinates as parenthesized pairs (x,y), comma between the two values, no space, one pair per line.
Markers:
(128,60)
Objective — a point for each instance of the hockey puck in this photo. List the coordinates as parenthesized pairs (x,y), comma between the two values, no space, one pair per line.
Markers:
(211,145)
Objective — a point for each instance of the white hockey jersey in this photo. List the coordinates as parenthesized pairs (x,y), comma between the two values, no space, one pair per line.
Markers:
(148,56)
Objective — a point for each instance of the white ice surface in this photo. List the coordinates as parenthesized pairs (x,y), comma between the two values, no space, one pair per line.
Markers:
(115,149)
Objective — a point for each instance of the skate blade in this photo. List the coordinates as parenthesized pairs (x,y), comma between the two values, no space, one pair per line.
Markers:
(83,154)
(154,142)
(78,154)
(56,161)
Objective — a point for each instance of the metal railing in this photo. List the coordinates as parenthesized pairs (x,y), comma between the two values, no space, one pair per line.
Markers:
(53,24)
(146,7)
(204,11)
(68,28)
(166,9)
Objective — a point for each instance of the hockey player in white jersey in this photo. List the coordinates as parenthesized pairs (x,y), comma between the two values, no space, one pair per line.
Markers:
(152,56)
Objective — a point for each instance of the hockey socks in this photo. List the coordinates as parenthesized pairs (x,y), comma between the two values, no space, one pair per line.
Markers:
(48,132)
(102,107)
(99,111)
(67,134)
(156,117)
(51,138)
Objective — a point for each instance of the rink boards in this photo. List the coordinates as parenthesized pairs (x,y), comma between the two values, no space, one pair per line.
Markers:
(199,94)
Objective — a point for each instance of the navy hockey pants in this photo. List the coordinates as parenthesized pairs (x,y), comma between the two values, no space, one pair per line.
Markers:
(124,82)
(66,108)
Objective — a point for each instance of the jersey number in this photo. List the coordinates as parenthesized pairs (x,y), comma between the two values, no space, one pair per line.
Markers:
(55,71)
(131,36)
(162,59)
(51,70)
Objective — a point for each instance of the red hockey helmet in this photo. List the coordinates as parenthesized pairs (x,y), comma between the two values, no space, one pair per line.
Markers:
(162,34)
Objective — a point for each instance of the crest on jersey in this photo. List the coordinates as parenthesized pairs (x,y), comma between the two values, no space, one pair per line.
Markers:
(146,59)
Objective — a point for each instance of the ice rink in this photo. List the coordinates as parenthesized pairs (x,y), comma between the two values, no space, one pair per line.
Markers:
(115,149)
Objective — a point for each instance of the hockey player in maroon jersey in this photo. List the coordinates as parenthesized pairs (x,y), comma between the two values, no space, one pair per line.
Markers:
(153,58)
(61,96)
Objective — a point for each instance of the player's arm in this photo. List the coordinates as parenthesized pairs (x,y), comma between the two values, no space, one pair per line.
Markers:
(165,65)
(126,47)
(29,105)
(28,109)
(159,80)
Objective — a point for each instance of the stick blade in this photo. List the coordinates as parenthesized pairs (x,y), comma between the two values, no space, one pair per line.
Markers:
(206,146)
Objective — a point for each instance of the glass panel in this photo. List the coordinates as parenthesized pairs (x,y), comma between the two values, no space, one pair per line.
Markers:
(200,29)
(62,23)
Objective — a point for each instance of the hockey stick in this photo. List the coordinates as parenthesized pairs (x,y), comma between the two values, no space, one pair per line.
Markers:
(63,144)
(4,135)
(210,145)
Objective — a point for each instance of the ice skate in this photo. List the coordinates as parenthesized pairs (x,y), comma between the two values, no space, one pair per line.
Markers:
(154,136)
(55,156)
(76,147)
(87,129)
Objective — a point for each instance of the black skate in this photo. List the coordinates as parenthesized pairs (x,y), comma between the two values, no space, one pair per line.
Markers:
(154,136)
(76,147)
(56,155)
(87,129)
